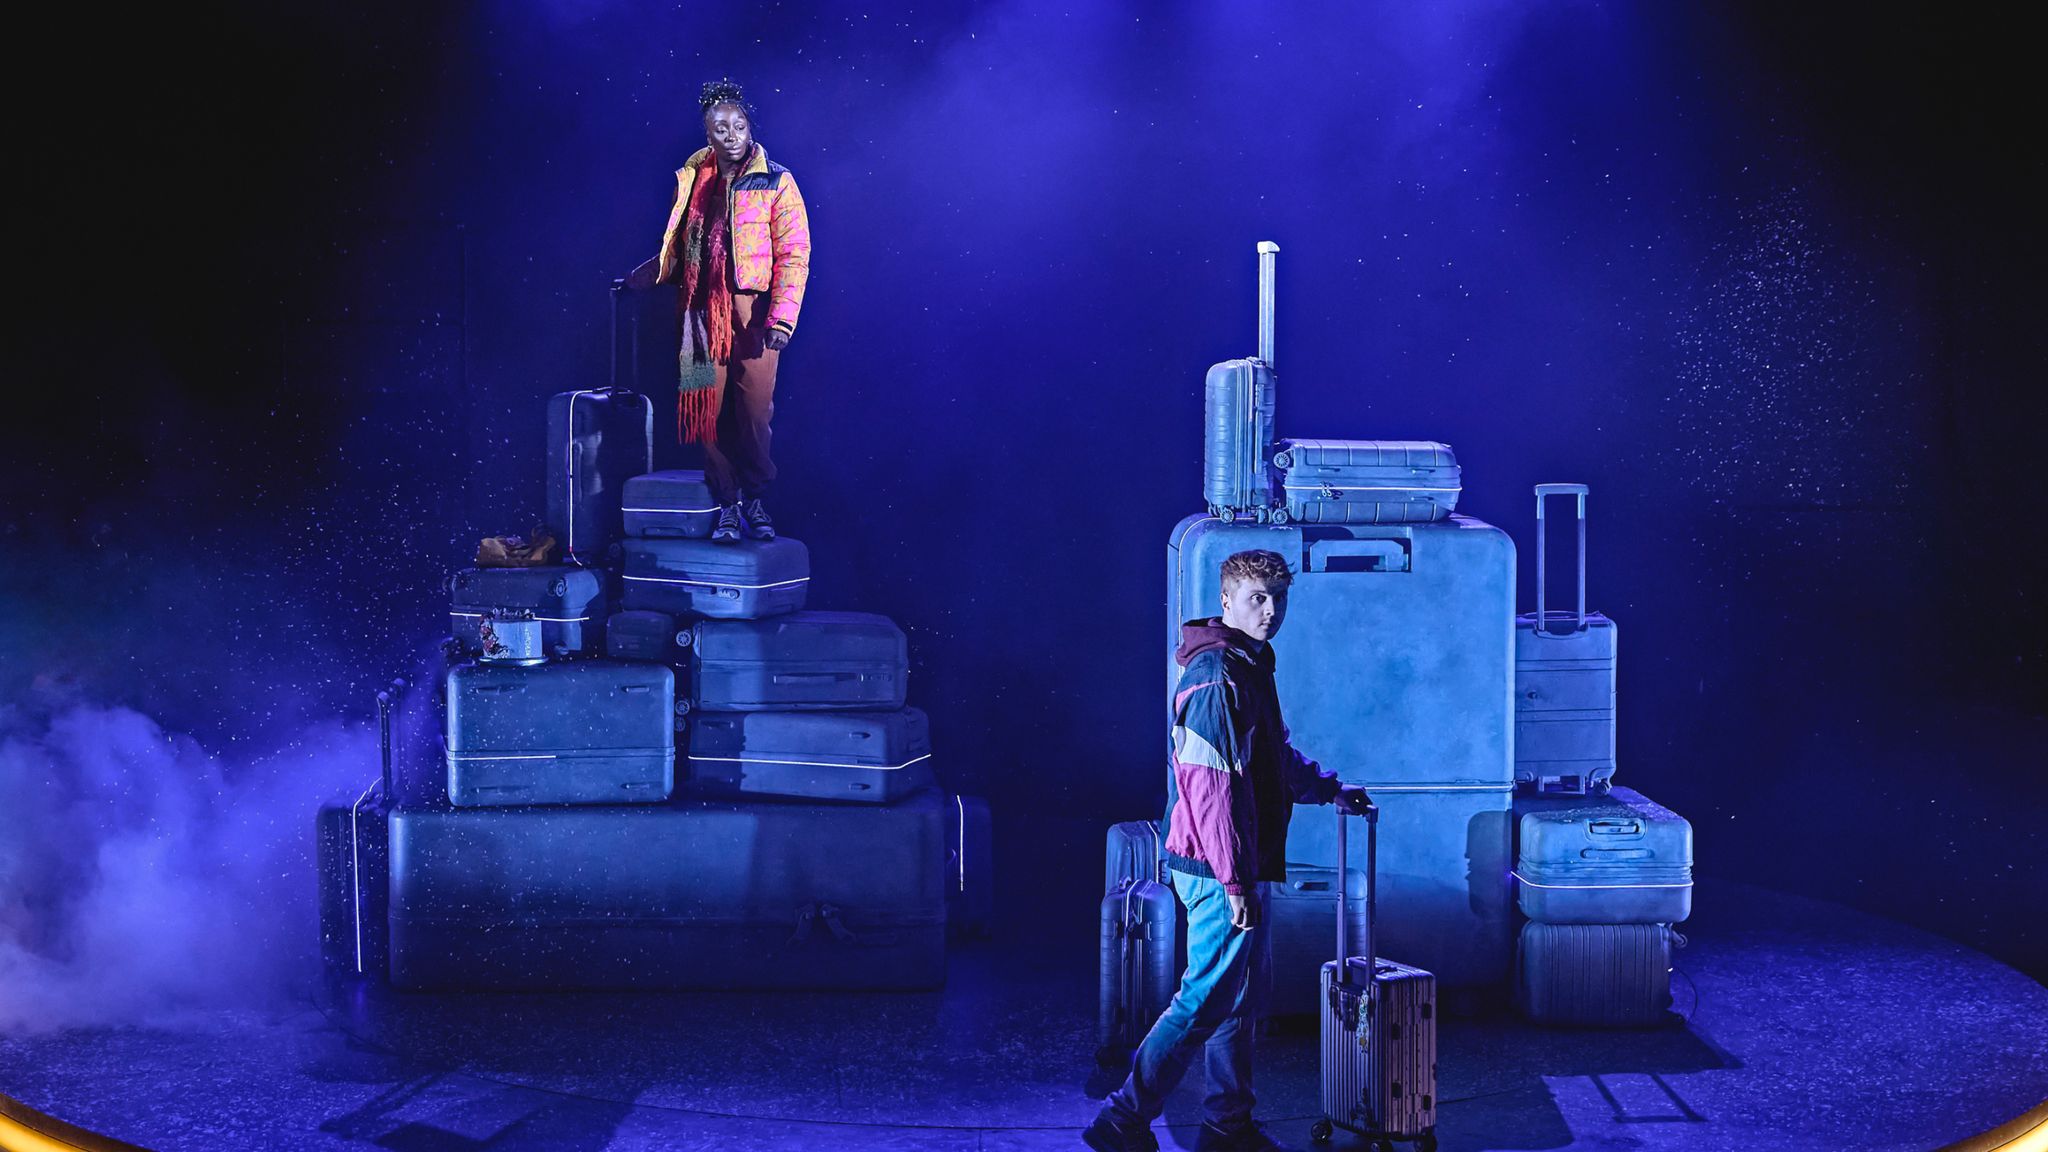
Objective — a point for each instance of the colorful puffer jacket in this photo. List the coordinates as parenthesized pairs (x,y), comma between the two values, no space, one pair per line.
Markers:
(771,232)
(1236,777)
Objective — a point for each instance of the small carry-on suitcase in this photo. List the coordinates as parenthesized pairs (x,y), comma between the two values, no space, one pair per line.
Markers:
(799,661)
(1564,681)
(746,580)
(585,732)
(1378,1033)
(1596,975)
(569,602)
(597,438)
(1139,973)
(690,894)
(1237,419)
(643,635)
(1613,859)
(676,503)
(970,867)
(858,757)
(1298,924)
(354,849)
(1366,481)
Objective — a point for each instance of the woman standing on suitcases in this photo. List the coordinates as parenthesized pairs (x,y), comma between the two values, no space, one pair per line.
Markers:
(739,245)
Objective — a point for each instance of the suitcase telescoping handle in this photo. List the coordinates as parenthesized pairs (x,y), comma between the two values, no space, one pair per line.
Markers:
(1543,494)
(1269,253)
(1372,887)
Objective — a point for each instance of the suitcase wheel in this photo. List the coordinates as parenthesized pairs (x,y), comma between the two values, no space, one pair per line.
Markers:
(683,638)
(1320,1131)
(1279,516)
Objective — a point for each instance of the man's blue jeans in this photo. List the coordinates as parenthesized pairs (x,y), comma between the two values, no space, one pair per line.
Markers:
(1221,994)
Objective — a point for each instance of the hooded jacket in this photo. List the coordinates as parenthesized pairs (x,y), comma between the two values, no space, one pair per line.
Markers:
(771,231)
(1236,777)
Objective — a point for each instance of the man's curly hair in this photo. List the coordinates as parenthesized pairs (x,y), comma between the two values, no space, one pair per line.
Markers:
(724,91)
(1258,564)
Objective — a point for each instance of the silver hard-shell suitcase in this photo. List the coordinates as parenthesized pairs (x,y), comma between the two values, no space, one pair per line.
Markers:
(1564,681)
(1237,419)
(1378,1031)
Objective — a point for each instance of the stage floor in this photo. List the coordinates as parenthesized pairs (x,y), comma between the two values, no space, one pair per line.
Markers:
(1809,1027)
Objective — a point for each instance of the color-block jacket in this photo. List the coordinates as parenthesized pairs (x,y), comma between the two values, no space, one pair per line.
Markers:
(1236,777)
(771,232)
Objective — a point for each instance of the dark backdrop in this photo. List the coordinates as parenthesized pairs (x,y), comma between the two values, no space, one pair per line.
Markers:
(1764,276)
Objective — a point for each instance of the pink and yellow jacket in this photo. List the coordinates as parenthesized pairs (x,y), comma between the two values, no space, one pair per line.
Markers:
(771,232)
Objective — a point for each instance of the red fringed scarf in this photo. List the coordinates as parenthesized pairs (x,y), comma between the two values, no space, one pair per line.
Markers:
(704,308)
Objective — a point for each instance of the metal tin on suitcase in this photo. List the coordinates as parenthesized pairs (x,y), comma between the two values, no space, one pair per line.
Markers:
(586,732)
(1299,911)
(1596,975)
(749,579)
(569,602)
(857,757)
(800,661)
(597,438)
(675,503)
(1615,859)
(691,894)
(1367,481)
(1564,680)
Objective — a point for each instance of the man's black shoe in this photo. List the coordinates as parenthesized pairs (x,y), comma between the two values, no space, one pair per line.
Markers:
(729,524)
(759,526)
(1106,1135)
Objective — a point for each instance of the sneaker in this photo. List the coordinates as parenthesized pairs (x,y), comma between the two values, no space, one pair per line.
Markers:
(1247,1138)
(759,526)
(1106,1135)
(729,524)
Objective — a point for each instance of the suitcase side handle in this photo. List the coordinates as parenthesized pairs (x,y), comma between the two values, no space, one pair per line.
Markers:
(1543,494)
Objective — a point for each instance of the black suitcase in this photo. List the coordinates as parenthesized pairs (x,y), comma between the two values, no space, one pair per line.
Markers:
(799,661)
(639,634)
(1138,972)
(676,503)
(575,732)
(854,757)
(970,867)
(690,894)
(598,438)
(568,601)
(353,847)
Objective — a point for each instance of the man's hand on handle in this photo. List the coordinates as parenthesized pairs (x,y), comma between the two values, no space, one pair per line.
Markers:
(1244,912)
(1353,799)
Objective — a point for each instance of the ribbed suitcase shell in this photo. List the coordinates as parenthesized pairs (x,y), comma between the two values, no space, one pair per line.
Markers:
(597,439)
(582,732)
(970,867)
(744,580)
(675,503)
(568,601)
(354,852)
(1564,703)
(1396,670)
(1367,481)
(1379,1050)
(1132,851)
(799,662)
(1620,858)
(1139,973)
(643,635)
(1596,975)
(858,757)
(690,894)
(1237,422)
(1300,912)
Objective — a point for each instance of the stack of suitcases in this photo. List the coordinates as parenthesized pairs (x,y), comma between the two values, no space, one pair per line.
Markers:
(709,787)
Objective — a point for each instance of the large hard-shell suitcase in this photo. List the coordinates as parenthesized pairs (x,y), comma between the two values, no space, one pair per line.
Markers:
(675,503)
(1596,975)
(597,439)
(568,601)
(1367,481)
(690,894)
(1237,418)
(1378,1030)
(799,661)
(1614,859)
(1298,912)
(1133,851)
(1139,972)
(860,757)
(744,580)
(970,867)
(354,853)
(1564,680)
(584,732)
(642,635)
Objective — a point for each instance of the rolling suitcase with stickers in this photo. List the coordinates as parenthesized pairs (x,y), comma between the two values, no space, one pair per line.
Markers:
(1564,680)
(1378,1030)
(582,732)
(799,661)
(568,601)
(747,580)
(1367,481)
(854,757)
(598,438)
